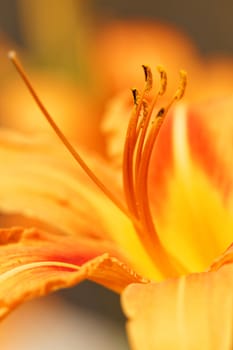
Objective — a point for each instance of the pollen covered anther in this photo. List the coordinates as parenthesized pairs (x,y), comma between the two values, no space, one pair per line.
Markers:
(183,83)
(163,80)
(160,113)
(136,96)
(148,78)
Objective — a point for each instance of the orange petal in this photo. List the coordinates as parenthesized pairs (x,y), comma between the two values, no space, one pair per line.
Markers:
(193,312)
(34,263)
(41,181)
(191,182)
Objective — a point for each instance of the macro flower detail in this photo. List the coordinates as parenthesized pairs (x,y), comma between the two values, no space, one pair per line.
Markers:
(169,221)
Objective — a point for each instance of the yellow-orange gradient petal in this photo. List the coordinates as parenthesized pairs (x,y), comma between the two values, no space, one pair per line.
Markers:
(189,313)
(191,183)
(34,263)
(40,180)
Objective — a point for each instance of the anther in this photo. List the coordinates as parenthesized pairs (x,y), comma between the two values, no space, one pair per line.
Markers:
(136,96)
(183,82)
(163,80)
(145,109)
(160,113)
(148,78)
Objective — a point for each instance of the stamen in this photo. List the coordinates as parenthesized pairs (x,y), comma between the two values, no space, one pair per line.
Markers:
(12,56)
(138,174)
(148,147)
(130,143)
(162,89)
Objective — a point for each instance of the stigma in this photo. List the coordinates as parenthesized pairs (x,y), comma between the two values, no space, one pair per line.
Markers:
(143,128)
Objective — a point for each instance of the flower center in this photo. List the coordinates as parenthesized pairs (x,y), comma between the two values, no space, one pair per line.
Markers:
(142,132)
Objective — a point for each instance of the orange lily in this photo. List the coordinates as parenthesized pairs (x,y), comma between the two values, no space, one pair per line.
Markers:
(177,220)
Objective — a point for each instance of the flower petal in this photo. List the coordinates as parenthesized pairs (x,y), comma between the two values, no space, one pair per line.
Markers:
(191,183)
(39,174)
(40,180)
(194,312)
(34,263)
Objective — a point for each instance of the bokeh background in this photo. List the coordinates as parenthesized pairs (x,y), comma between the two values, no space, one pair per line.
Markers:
(208,22)
(57,41)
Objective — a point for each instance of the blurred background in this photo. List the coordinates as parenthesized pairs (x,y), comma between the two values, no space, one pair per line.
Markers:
(80,54)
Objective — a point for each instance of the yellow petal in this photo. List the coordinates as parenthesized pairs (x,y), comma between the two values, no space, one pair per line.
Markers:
(194,312)
(34,263)
(40,180)
(191,183)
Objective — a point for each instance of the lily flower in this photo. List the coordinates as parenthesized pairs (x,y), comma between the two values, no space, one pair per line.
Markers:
(159,239)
